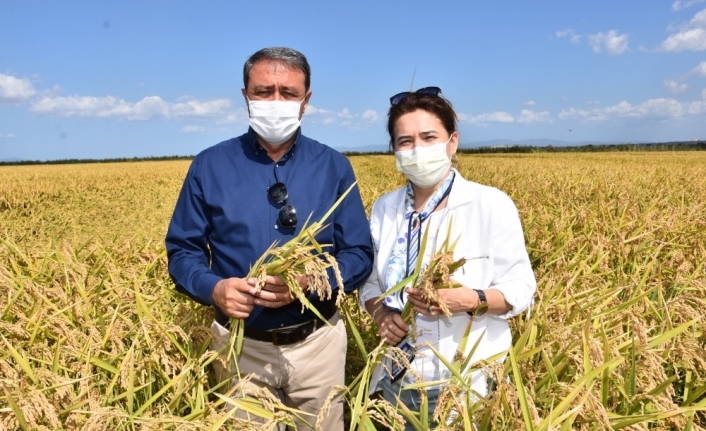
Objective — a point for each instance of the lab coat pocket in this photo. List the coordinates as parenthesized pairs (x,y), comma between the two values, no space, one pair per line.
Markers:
(477,272)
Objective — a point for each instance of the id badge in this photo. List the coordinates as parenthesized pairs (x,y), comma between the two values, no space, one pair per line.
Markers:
(399,370)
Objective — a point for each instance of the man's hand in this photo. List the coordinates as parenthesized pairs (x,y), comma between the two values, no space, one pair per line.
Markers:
(236,297)
(274,293)
(233,297)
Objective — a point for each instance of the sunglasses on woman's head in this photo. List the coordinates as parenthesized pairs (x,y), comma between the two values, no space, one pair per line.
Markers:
(426,91)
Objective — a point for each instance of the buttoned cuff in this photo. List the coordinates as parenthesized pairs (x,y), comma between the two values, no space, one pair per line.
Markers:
(205,285)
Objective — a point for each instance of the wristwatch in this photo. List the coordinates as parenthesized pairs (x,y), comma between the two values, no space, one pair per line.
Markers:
(482,304)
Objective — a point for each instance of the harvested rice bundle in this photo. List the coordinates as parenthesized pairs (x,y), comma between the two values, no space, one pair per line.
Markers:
(302,255)
(430,279)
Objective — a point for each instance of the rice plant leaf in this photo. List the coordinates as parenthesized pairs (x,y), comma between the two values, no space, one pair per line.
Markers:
(162,390)
(456,373)
(696,394)
(521,394)
(619,422)
(659,339)
(424,410)
(425,384)
(352,327)
(398,286)
(102,364)
(579,386)
(15,409)
(411,416)
(253,406)
(145,310)
(21,361)
(337,203)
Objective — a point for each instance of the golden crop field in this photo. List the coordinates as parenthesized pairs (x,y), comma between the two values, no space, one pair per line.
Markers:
(94,337)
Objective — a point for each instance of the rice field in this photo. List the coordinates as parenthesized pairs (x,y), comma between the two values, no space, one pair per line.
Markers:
(94,337)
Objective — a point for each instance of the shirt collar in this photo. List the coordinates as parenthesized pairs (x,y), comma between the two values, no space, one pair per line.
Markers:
(260,151)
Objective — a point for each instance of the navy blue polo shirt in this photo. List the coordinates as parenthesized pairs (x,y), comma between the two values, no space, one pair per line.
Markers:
(224,220)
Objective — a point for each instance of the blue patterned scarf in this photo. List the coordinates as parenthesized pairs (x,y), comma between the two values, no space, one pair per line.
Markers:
(406,249)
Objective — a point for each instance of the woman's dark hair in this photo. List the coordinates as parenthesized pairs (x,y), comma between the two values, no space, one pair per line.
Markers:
(436,105)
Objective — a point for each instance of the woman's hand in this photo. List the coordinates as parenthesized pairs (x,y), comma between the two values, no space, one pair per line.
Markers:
(460,299)
(457,300)
(391,327)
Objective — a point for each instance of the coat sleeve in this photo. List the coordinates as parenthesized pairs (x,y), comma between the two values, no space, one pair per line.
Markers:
(512,270)
(353,247)
(372,288)
(188,254)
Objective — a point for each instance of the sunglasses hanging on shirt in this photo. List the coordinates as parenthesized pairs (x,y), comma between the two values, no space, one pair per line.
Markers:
(287,216)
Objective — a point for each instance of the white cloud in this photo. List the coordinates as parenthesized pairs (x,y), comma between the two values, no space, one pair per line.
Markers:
(239,115)
(593,102)
(145,109)
(15,90)
(193,129)
(370,115)
(313,110)
(154,107)
(653,109)
(324,115)
(529,116)
(529,103)
(570,33)
(7,136)
(610,42)
(345,114)
(699,70)
(483,119)
(691,36)
(196,108)
(679,4)
(101,107)
(674,86)
(344,117)
(526,116)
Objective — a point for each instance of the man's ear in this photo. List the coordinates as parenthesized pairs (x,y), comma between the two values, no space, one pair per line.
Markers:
(245,96)
(305,103)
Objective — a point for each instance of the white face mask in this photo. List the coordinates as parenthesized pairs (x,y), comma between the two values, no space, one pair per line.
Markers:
(424,166)
(275,121)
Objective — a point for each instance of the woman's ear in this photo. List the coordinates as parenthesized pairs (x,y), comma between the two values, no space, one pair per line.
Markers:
(453,144)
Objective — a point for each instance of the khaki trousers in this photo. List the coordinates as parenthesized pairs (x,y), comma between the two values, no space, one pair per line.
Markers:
(301,375)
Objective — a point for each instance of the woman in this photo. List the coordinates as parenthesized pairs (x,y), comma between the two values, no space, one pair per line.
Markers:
(496,282)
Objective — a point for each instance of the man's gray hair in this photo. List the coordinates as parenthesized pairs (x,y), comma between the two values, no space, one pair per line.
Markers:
(281,54)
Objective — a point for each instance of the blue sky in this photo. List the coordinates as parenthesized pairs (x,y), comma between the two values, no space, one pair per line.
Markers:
(153,78)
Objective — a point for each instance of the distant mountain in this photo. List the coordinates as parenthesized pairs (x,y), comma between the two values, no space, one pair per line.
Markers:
(365,149)
(11,160)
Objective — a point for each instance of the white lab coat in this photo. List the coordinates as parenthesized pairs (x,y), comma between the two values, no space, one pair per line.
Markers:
(491,239)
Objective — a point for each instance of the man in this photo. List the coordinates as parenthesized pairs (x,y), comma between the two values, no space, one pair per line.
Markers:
(244,194)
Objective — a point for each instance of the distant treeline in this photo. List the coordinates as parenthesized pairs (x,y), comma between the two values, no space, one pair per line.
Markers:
(660,146)
(517,149)
(593,148)
(74,161)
